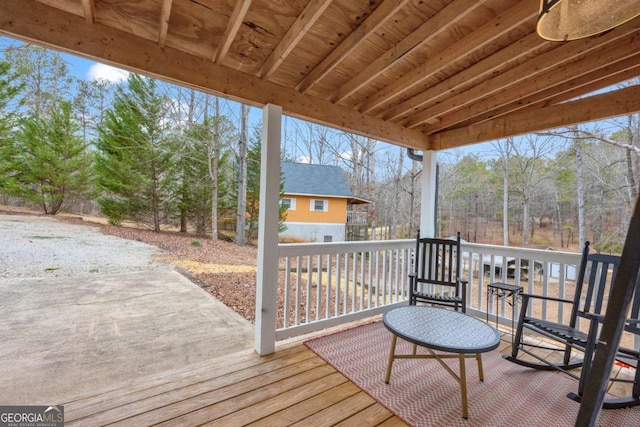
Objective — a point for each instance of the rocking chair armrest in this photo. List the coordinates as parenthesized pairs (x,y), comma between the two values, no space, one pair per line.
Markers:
(600,318)
(547,298)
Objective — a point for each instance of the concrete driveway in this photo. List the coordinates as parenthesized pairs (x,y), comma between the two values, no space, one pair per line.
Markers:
(85,312)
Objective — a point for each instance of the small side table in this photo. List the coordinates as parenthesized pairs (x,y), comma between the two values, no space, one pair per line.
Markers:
(506,292)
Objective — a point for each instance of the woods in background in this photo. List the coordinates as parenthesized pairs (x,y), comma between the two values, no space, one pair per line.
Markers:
(165,156)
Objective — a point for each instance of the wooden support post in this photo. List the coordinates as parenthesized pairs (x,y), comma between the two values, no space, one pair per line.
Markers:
(267,273)
(428,196)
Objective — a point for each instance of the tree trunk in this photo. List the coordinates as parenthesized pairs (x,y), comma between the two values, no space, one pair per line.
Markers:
(213,159)
(559,222)
(505,196)
(242,176)
(577,145)
(396,196)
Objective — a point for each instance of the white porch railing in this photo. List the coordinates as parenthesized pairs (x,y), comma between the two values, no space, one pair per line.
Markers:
(325,284)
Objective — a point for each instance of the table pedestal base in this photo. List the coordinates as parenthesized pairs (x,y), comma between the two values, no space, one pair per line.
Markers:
(461,377)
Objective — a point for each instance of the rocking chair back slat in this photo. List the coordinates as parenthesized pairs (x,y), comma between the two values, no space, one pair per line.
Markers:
(435,278)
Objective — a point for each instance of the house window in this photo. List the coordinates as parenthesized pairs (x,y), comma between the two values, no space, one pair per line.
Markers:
(288,203)
(318,205)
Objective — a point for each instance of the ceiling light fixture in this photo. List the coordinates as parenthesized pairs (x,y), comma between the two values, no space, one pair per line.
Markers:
(562,20)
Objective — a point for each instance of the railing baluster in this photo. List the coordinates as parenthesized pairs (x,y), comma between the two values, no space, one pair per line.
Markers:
(354,288)
(287,291)
(298,288)
(329,286)
(307,306)
(319,288)
(363,288)
(338,284)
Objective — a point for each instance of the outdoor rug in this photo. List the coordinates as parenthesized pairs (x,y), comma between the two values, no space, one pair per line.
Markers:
(422,393)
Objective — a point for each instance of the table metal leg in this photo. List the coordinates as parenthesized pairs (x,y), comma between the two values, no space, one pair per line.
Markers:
(480,372)
(463,387)
(391,358)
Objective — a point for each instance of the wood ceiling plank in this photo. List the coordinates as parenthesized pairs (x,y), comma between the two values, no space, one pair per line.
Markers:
(597,107)
(296,32)
(89,8)
(471,76)
(541,78)
(564,53)
(592,81)
(164,22)
(28,20)
(378,17)
(439,23)
(235,20)
(520,13)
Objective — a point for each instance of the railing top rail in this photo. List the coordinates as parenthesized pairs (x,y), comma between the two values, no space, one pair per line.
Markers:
(305,249)
(522,253)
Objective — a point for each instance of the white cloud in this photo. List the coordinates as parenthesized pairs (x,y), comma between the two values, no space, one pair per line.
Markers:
(108,73)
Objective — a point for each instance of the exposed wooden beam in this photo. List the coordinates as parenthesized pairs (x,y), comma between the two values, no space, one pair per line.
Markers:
(382,14)
(435,26)
(495,64)
(506,22)
(592,81)
(296,32)
(546,71)
(164,22)
(233,25)
(89,7)
(63,31)
(597,107)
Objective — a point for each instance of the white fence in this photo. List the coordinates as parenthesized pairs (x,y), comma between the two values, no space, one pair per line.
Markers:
(322,285)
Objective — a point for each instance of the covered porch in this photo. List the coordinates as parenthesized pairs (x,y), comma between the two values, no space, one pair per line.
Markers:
(424,76)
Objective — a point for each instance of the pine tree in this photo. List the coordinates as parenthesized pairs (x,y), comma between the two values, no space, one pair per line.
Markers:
(9,90)
(135,155)
(51,163)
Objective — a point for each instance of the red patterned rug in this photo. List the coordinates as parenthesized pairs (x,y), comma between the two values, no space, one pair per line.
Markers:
(422,393)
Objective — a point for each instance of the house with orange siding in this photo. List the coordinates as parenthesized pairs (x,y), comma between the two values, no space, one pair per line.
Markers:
(317,198)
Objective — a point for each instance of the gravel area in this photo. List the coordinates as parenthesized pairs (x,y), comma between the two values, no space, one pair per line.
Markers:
(32,247)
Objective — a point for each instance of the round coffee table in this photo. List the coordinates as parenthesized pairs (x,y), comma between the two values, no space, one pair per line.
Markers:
(443,330)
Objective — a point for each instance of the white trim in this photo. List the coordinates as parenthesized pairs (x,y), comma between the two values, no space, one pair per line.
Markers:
(325,207)
(292,203)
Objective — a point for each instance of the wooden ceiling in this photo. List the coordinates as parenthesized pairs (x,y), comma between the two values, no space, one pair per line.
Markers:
(423,74)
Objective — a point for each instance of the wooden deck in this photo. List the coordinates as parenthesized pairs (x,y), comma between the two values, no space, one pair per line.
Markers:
(291,387)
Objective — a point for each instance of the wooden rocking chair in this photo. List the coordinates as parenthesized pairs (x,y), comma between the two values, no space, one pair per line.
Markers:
(596,273)
(435,279)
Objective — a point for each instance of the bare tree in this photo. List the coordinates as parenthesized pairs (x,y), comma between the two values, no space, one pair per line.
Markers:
(213,166)
(242,175)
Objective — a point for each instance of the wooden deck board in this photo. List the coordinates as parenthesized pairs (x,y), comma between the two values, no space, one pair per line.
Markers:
(302,410)
(338,412)
(278,398)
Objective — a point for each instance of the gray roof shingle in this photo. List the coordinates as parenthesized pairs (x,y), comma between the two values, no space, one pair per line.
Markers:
(321,180)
